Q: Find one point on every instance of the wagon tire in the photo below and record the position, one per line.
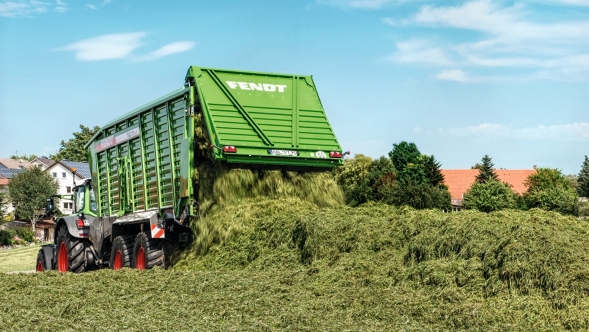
(122, 252)
(148, 252)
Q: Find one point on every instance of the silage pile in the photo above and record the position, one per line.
(476, 265)
(508, 269)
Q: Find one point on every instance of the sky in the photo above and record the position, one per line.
(460, 79)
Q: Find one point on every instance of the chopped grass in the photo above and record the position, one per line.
(290, 265)
(18, 259)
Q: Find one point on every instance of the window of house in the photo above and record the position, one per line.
(68, 189)
(54, 174)
(68, 205)
(63, 175)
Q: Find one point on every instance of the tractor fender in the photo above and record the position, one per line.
(48, 251)
(72, 227)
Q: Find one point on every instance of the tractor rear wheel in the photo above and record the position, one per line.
(71, 252)
(40, 266)
(148, 252)
(122, 252)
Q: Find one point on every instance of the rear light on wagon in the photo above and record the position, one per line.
(229, 149)
(80, 223)
(335, 154)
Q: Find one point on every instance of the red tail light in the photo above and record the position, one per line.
(229, 149)
(335, 154)
(80, 223)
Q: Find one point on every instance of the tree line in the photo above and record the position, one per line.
(410, 178)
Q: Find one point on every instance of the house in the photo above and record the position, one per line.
(8, 169)
(459, 180)
(43, 162)
(62, 172)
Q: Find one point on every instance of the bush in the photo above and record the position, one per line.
(584, 210)
(420, 196)
(25, 233)
(7, 236)
(16, 235)
(489, 196)
(548, 189)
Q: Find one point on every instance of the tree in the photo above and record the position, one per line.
(24, 156)
(420, 196)
(73, 149)
(432, 170)
(486, 171)
(3, 206)
(29, 191)
(363, 179)
(549, 189)
(489, 196)
(420, 182)
(583, 179)
(407, 161)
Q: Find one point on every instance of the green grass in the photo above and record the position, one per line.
(275, 265)
(18, 259)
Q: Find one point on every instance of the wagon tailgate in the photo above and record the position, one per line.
(274, 119)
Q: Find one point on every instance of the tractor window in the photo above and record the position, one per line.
(93, 206)
(79, 198)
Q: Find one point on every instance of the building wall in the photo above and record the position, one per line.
(65, 178)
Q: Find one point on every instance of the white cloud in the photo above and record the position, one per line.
(505, 37)
(453, 75)
(105, 47)
(584, 3)
(360, 4)
(91, 6)
(418, 51)
(120, 46)
(20, 8)
(172, 48)
(565, 132)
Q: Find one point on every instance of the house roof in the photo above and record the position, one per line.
(459, 180)
(48, 162)
(82, 168)
(10, 167)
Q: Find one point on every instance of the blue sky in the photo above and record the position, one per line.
(461, 79)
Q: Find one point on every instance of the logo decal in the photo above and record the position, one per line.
(256, 86)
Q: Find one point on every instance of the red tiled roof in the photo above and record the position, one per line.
(459, 180)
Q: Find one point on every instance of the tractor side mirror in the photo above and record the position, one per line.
(49, 207)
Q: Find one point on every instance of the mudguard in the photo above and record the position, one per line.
(48, 251)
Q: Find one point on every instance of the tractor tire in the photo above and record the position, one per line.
(122, 252)
(148, 252)
(71, 252)
(40, 266)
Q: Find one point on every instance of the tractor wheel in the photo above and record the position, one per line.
(122, 252)
(40, 266)
(148, 252)
(71, 252)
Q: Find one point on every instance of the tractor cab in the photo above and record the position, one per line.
(84, 199)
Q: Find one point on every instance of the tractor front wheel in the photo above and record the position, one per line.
(40, 266)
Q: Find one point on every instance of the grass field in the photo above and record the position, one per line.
(278, 265)
(18, 259)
